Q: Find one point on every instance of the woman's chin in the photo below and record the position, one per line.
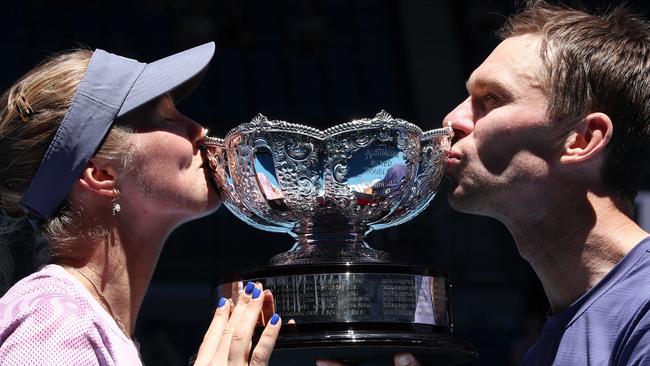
(213, 201)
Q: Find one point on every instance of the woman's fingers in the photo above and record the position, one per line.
(213, 334)
(228, 339)
(223, 350)
(262, 352)
(241, 338)
(268, 309)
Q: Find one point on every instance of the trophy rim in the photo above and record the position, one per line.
(213, 141)
(378, 121)
(426, 135)
(436, 132)
(272, 125)
(261, 123)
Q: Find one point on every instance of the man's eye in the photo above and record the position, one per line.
(488, 98)
(490, 101)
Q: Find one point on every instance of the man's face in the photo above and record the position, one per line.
(504, 142)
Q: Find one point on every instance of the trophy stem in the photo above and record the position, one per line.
(330, 243)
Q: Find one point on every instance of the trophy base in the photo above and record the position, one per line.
(363, 313)
(371, 344)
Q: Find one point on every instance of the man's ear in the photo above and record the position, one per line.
(590, 137)
(100, 177)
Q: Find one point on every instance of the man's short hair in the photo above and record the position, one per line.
(596, 63)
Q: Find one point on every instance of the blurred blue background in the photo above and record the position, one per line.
(316, 62)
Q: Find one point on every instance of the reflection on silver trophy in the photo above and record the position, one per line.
(328, 189)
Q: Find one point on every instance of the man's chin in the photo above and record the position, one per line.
(459, 200)
(454, 202)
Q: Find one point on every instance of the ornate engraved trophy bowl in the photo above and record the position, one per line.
(328, 189)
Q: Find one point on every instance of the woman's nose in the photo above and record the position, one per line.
(195, 131)
(461, 119)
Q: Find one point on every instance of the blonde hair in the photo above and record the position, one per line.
(30, 113)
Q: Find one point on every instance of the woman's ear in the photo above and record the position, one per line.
(590, 137)
(99, 177)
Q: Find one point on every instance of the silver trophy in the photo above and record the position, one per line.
(328, 190)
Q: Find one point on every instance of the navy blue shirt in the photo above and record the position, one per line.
(609, 325)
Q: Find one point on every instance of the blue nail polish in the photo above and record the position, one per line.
(256, 293)
(249, 288)
(274, 319)
(222, 302)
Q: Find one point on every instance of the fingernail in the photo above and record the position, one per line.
(222, 302)
(249, 288)
(256, 293)
(404, 359)
(274, 319)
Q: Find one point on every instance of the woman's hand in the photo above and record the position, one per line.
(228, 339)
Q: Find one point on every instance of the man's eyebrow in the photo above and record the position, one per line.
(491, 84)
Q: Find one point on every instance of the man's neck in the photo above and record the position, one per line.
(572, 247)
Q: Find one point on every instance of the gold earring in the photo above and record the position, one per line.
(116, 202)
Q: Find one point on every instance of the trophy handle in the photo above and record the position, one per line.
(214, 149)
(216, 155)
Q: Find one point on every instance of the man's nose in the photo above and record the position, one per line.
(461, 119)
